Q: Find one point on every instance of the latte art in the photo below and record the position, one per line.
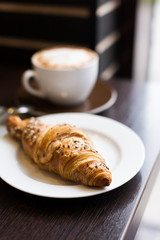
(64, 58)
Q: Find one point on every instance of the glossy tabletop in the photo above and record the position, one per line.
(112, 215)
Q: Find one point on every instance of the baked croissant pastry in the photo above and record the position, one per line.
(63, 149)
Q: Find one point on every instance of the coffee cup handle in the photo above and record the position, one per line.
(26, 76)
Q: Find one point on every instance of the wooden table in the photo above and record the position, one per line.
(112, 215)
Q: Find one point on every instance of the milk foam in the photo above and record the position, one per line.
(64, 58)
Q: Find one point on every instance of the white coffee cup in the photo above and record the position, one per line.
(65, 75)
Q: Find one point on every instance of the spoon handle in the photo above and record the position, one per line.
(3, 117)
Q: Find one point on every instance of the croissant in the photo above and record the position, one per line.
(63, 149)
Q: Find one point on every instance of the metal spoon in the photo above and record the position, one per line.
(22, 110)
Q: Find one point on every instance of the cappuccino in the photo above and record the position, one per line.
(64, 75)
(64, 58)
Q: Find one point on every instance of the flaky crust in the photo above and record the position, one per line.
(63, 149)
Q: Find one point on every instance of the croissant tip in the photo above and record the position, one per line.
(105, 182)
(13, 125)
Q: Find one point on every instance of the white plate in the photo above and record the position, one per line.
(119, 145)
